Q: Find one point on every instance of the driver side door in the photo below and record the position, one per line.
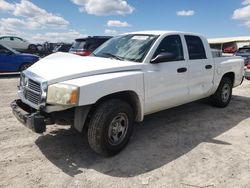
(166, 82)
(7, 60)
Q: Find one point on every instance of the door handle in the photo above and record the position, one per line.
(181, 70)
(208, 66)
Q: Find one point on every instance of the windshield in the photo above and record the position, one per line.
(11, 49)
(132, 47)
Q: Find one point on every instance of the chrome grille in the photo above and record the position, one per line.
(32, 97)
(32, 92)
(34, 86)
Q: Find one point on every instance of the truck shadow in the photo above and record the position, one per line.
(160, 139)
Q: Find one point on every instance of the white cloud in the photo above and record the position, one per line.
(15, 23)
(5, 6)
(27, 19)
(111, 32)
(243, 14)
(104, 7)
(117, 23)
(69, 36)
(33, 14)
(185, 13)
(8, 31)
(246, 2)
(247, 24)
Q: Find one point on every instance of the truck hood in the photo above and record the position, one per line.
(60, 67)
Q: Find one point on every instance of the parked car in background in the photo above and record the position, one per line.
(230, 50)
(85, 46)
(14, 61)
(247, 71)
(63, 47)
(244, 52)
(18, 43)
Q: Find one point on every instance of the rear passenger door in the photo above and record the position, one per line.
(200, 68)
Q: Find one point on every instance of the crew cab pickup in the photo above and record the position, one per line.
(126, 78)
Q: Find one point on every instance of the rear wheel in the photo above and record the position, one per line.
(223, 95)
(110, 127)
(33, 48)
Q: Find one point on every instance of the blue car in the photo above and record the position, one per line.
(13, 61)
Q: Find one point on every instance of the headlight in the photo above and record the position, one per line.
(62, 94)
(23, 80)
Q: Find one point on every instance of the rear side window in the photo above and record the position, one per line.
(195, 47)
(171, 44)
(79, 45)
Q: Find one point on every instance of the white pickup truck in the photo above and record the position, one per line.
(128, 77)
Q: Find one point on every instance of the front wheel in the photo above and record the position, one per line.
(110, 127)
(223, 95)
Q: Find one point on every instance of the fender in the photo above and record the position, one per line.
(229, 65)
(109, 83)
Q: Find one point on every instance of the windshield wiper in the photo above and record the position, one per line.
(113, 56)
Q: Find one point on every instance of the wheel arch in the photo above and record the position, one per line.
(230, 75)
(83, 113)
(130, 97)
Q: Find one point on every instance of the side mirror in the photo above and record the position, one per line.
(163, 57)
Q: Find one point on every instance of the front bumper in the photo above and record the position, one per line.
(30, 118)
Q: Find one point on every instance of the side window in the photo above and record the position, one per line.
(195, 47)
(6, 39)
(171, 44)
(17, 39)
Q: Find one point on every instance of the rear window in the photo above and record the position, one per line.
(78, 45)
(196, 48)
(92, 44)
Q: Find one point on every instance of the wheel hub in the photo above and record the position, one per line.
(118, 129)
(225, 93)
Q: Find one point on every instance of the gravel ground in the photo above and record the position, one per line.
(194, 145)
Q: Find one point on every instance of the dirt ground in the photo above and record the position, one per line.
(194, 145)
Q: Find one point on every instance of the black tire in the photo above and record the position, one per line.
(222, 98)
(24, 67)
(101, 131)
(32, 48)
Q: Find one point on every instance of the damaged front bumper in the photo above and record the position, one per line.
(29, 117)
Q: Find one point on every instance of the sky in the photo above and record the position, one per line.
(65, 20)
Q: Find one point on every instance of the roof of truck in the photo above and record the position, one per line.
(161, 32)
